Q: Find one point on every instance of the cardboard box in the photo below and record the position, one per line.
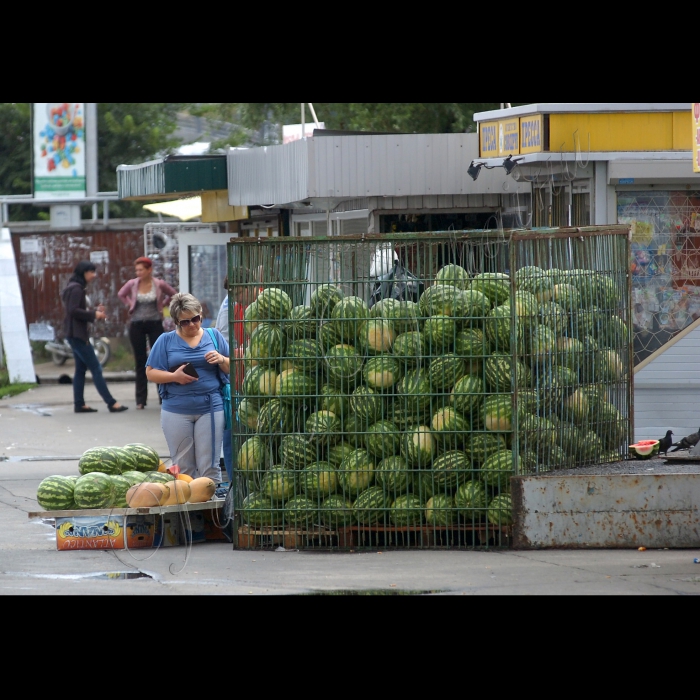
(168, 530)
(196, 534)
(104, 532)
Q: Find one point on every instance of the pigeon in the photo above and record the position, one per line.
(687, 443)
(666, 443)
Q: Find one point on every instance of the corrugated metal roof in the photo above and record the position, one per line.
(173, 175)
(335, 168)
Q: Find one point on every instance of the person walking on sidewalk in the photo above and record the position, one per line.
(145, 297)
(75, 328)
(190, 372)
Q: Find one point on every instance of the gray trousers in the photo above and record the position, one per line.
(190, 443)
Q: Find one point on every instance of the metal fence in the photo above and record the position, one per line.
(389, 387)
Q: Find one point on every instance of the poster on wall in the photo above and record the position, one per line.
(696, 136)
(59, 150)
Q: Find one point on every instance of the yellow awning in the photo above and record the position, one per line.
(183, 209)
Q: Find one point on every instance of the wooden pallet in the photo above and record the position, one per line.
(268, 537)
(350, 538)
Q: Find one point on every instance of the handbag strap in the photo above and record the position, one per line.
(212, 335)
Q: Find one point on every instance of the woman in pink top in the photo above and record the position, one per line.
(146, 297)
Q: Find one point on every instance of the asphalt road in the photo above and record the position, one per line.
(40, 435)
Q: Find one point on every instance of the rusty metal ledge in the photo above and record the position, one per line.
(620, 511)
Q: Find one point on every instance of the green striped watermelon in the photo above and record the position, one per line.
(94, 491)
(258, 510)
(147, 458)
(252, 455)
(135, 477)
(414, 391)
(104, 460)
(248, 413)
(472, 500)
(383, 439)
(387, 309)
(121, 485)
(338, 453)
(393, 473)
(468, 394)
(319, 480)
(336, 512)
(330, 335)
(274, 419)
(483, 445)
(440, 333)
(440, 511)
(300, 511)
(356, 473)
(500, 512)
(267, 345)
(260, 383)
(127, 460)
(348, 315)
(297, 452)
(450, 469)
(382, 373)
(472, 344)
(450, 427)
(445, 372)
(305, 355)
(274, 305)
(334, 400)
(453, 275)
(498, 328)
(376, 336)
(56, 493)
(498, 413)
(279, 484)
(302, 324)
(323, 428)
(366, 404)
(409, 348)
(344, 363)
(159, 478)
(295, 387)
(553, 316)
(502, 372)
(495, 286)
(251, 318)
(407, 511)
(324, 300)
(371, 506)
(498, 469)
(418, 447)
(406, 318)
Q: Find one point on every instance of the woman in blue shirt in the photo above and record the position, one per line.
(192, 415)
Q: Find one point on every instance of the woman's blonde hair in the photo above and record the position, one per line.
(182, 303)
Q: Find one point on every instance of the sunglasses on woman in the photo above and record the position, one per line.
(186, 322)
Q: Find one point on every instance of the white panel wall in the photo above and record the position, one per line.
(13, 323)
(667, 392)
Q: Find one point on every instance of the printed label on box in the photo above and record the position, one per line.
(100, 532)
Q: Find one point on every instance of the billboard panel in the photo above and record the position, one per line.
(59, 150)
(696, 137)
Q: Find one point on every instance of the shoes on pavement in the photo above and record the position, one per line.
(121, 409)
(85, 409)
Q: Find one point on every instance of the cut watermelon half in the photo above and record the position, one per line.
(646, 449)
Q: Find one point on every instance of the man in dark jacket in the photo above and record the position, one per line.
(75, 328)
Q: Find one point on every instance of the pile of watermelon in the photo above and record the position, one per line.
(413, 413)
(106, 474)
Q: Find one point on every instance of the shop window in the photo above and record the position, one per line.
(665, 264)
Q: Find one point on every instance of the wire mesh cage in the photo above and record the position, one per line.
(389, 387)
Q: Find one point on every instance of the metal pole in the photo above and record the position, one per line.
(313, 114)
(105, 212)
(303, 120)
(5, 213)
(91, 148)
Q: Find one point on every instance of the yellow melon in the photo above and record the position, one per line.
(202, 490)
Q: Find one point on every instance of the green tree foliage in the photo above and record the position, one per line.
(128, 133)
(263, 120)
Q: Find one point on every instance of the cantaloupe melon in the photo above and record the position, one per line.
(146, 495)
(202, 490)
(178, 493)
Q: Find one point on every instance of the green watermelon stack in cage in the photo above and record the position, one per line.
(420, 412)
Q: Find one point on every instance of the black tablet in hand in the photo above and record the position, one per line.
(190, 371)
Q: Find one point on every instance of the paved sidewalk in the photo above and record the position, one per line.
(40, 426)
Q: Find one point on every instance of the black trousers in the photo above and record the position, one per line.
(139, 332)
